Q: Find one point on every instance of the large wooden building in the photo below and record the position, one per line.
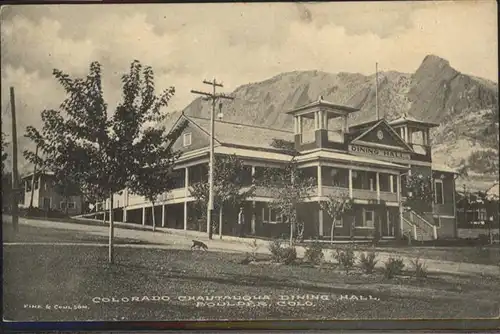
(366, 161)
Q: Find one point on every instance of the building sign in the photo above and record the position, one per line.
(377, 152)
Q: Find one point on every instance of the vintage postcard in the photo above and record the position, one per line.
(250, 161)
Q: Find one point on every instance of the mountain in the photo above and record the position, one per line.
(436, 92)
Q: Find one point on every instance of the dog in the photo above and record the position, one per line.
(199, 245)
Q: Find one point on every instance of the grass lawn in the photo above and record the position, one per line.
(58, 282)
(37, 234)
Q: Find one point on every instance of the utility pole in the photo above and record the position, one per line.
(214, 97)
(33, 179)
(15, 188)
(376, 90)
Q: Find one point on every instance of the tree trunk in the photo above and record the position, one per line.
(33, 182)
(293, 223)
(220, 222)
(153, 213)
(210, 223)
(111, 228)
(66, 208)
(332, 232)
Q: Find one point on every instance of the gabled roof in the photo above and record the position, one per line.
(391, 131)
(242, 134)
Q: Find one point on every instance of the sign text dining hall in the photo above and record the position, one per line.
(378, 152)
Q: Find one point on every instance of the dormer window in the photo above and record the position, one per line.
(186, 139)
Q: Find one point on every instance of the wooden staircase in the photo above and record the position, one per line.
(417, 227)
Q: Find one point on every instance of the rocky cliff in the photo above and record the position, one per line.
(436, 92)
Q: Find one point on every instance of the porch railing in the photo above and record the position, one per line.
(426, 230)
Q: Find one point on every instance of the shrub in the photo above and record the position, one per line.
(420, 268)
(314, 253)
(346, 258)
(368, 262)
(276, 250)
(393, 267)
(288, 255)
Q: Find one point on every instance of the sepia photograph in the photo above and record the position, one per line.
(250, 161)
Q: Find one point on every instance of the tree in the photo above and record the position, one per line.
(336, 206)
(4, 152)
(156, 176)
(419, 192)
(231, 188)
(102, 152)
(290, 186)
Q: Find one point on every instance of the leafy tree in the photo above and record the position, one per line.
(103, 153)
(4, 151)
(336, 206)
(156, 176)
(290, 186)
(230, 189)
(419, 192)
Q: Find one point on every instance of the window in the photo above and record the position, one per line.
(385, 182)
(335, 177)
(368, 218)
(437, 222)
(187, 139)
(271, 216)
(37, 183)
(71, 205)
(438, 192)
(339, 222)
(62, 205)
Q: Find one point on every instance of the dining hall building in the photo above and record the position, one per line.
(368, 162)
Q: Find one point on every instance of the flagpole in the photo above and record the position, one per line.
(376, 90)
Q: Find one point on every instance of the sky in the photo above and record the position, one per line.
(236, 43)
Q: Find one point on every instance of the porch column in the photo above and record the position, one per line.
(350, 183)
(253, 174)
(320, 182)
(163, 215)
(325, 120)
(316, 121)
(377, 177)
(320, 216)
(186, 195)
(124, 214)
(299, 123)
(398, 185)
(253, 218)
(296, 125)
(144, 215)
(346, 127)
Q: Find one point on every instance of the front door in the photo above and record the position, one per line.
(46, 203)
(387, 225)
